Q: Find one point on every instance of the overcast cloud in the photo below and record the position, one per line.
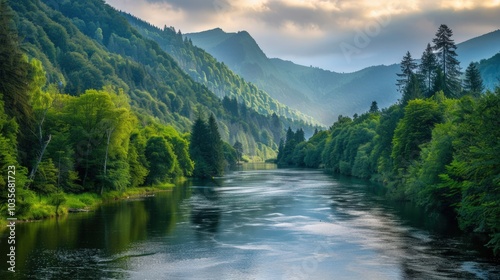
(338, 35)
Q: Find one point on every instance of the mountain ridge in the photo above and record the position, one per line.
(325, 94)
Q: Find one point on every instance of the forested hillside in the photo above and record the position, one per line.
(438, 146)
(205, 69)
(89, 45)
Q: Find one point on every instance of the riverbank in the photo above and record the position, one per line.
(44, 207)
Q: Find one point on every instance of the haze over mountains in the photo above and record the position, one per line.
(321, 93)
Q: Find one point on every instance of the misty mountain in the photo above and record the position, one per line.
(321, 93)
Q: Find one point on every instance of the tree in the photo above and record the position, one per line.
(215, 147)
(41, 103)
(475, 168)
(14, 83)
(473, 83)
(100, 127)
(198, 148)
(408, 65)
(445, 46)
(414, 129)
(374, 107)
(239, 150)
(427, 70)
(412, 90)
(206, 148)
(161, 159)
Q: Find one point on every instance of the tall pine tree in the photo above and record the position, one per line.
(473, 83)
(206, 148)
(408, 65)
(216, 158)
(427, 70)
(198, 148)
(445, 46)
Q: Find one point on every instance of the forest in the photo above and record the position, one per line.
(90, 111)
(438, 146)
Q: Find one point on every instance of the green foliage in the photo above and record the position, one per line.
(445, 47)
(473, 83)
(414, 130)
(442, 153)
(161, 158)
(206, 148)
(475, 168)
(56, 200)
(427, 70)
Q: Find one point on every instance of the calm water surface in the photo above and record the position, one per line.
(251, 224)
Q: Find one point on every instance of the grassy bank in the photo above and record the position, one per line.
(33, 207)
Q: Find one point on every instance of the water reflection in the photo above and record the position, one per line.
(83, 244)
(251, 224)
(205, 209)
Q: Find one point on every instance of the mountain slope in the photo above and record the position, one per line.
(490, 71)
(320, 93)
(481, 47)
(85, 45)
(205, 69)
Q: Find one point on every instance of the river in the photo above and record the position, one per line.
(255, 223)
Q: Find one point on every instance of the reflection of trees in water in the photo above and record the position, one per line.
(205, 212)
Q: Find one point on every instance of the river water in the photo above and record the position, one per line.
(256, 223)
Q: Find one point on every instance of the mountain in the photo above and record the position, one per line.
(490, 71)
(89, 45)
(205, 69)
(481, 47)
(321, 93)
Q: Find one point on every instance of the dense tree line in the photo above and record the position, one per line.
(438, 149)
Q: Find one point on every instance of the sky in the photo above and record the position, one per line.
(337, 35)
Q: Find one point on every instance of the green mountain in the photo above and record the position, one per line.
(88, 45)
(320, 93)
(490, 71)
(205, 69)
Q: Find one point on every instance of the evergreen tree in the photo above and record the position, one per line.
(427, 70)
(445, 46)
(216, 158)
(300, 136)
(408, 65)
(281, 148)
(14, 81)
(473, 83)
(198, 148)
(412, 90)
(206, 148)
(374, 107)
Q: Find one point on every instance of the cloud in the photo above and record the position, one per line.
(334, 34)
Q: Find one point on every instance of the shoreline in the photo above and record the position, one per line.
(90, 202)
